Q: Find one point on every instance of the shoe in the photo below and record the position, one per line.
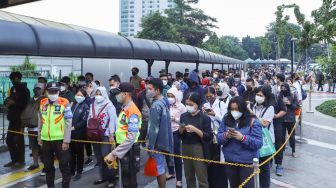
(88, 161)
(279, 170)
(9, 164)
(77, 177)
(33, 167)
(43, 173)
(179, 186)
(111, 185)
(170, 177)
(18, 165)
(98, 182)
(294, 155)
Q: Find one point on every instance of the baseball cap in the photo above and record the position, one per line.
(53, 86)
(39, 85)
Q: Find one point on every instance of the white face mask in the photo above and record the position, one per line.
(171, 100)
(236, 115)
(62, 88)
(164, 82)
(119, 98)
(259, 99)
(191, 109)
(215, 75)
(79, 99)
(99, 98)
(53, 98)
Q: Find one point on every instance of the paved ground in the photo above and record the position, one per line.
(314, 167)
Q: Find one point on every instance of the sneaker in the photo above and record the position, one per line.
(43, 173)
(9, 164)
(294, 155)
(279, 170)
(88, 161)
(33, 167)
(77, 177)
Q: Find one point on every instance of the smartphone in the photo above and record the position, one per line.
(208, 110)
(231, 129)
(182, 124)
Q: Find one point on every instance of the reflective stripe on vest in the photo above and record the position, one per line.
(125, 119)
(52, 121)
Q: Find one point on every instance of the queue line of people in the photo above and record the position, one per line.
(219, 116)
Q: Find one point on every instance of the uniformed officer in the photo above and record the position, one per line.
(55, 133)
(127, 133)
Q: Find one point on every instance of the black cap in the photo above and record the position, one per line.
(53, 86)
(126, 87)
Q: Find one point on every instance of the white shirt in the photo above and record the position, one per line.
(220, 109)
(297, 86)
(267, 116)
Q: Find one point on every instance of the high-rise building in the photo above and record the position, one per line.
(132, 11)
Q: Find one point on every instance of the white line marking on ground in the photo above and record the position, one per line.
(282, 184)
(319, 144)
(319, 126)
(60, 179)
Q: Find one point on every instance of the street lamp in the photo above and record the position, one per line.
(293, 53)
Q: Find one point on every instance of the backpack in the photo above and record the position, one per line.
(95, 131)
(303, 92)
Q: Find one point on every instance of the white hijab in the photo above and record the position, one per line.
(99, 106)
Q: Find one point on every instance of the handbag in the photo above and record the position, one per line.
(268, 148)
(95, 131)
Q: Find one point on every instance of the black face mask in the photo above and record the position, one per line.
(249, 88)
(219, 93)
(134, 73)
(285, 93)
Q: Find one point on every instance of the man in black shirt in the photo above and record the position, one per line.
(16, 103)
(249, 93)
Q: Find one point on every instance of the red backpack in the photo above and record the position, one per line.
(94, 130)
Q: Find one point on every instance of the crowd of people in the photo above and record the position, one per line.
(218, 115)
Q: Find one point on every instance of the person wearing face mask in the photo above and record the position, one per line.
(237, 84)
(176, 109)
(54, 134)
(127, 134)
(66, 91)
(263, 109)
(103, 109)
(223, 93)
(29, 119)
(16, 102)
(177, 85)
(159, 130)
(205, 81)
(135, 79)
(180, 78)
(215, 77)
(216, 110)
(114, 82)
(240, 135)
(194, 86)
(289, 119)
(166, 87)
(194, 130)
(80, 112)
(279, 80)
(249, 94)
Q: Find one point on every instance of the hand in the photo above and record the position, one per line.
(190, 128)
(111, 138)
(227, 135)
(40, 142)
(109, 158)
(237, 135)
(9, 103)
(65, 146)
(72, 128)
(172, 118)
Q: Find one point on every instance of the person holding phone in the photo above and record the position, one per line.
(197, 130)
(176, 109)
(216, 110)
(240, 135)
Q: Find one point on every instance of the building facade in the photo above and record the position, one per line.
(132, 11)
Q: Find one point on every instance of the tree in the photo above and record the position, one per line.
(230, 46)
(26, 69)
(191, 23)
(212, 44)
(252, 47)
(156, 27)
(266, 47)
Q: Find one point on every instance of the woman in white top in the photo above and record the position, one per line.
(216, 110)
(263, 109)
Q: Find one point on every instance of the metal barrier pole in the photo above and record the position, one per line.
(310, 98)
(301, 140)
(119, 169)
(256, 177)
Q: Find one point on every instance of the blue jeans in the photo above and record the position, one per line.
(265, 173)
(177, 160)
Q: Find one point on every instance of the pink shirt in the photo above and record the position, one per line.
(176, 111)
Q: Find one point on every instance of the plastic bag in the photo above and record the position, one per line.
(151, 168)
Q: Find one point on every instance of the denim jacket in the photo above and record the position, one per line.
(159, 127)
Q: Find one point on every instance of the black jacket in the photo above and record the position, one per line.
(21, 97)
(79, 119)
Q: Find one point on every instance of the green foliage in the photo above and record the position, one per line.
(328, 108)
(26, 69)
(157, 27)
(252, 47)
(266, 47)
(328, 65)
(73, 78)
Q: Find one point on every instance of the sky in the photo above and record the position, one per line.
(235, 17)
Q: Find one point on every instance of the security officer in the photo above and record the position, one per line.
(55, 120)
(127, 133)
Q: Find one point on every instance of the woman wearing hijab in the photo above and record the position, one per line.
(103, 109)
(176, 109)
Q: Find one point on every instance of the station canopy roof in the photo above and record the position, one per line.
(23, 35)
